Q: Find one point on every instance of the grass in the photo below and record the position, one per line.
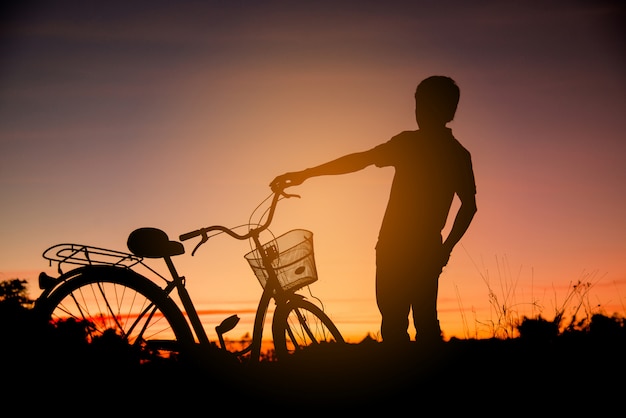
(507, 313)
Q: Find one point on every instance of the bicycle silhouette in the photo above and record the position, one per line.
(108, 292)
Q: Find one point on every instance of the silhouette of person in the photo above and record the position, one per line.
(431, 166)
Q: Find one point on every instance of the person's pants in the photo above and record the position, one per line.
(407, 279)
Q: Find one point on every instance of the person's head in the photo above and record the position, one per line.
(436, 100)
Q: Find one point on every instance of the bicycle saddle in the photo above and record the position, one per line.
(153, 243)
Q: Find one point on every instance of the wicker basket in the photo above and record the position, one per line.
(292, 259)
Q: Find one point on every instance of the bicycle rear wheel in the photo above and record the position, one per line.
(110, 300)
(299, 324)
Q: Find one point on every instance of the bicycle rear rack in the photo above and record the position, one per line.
(87, 255)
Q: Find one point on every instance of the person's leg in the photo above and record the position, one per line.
(392, 298)
(424, 306)
(424, 290)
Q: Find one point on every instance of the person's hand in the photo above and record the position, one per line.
(286, 180)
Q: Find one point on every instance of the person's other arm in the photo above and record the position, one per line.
(461, 223)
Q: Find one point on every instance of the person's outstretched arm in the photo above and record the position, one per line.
(342, 165)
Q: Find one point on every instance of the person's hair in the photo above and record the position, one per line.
(440, 95)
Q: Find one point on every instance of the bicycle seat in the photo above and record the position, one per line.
(153, 243)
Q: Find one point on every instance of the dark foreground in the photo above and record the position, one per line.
(491, 377)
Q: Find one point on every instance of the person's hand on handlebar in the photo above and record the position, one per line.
(286, 180)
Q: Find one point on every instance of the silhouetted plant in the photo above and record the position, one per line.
(577, 302)
(598, 327)
(114, 350)
(505, 308)
(538, 329)
(15, 292)
(16, 319)
(68, 335)
(605, 327)
(507, 311)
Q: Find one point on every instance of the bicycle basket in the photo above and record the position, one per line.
(292, 258)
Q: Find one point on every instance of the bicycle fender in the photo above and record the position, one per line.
(295, 296)
(50, 284)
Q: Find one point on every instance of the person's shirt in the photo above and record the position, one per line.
(429, 170)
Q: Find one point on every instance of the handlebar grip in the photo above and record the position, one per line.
(189, 235)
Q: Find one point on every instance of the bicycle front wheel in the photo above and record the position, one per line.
(118, 303)
(299, 324)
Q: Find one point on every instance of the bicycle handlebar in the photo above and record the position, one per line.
(203, 232)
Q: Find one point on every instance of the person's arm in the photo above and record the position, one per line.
(461, 223)
(342, 165)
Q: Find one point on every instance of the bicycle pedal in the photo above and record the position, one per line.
(227, 324)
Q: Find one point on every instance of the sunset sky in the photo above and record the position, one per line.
(116, 115)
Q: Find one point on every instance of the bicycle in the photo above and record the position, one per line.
(108, 293)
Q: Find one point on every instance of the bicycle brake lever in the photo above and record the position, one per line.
(288, 195)
(204, 239)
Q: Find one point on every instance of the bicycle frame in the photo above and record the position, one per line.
(271, 291)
